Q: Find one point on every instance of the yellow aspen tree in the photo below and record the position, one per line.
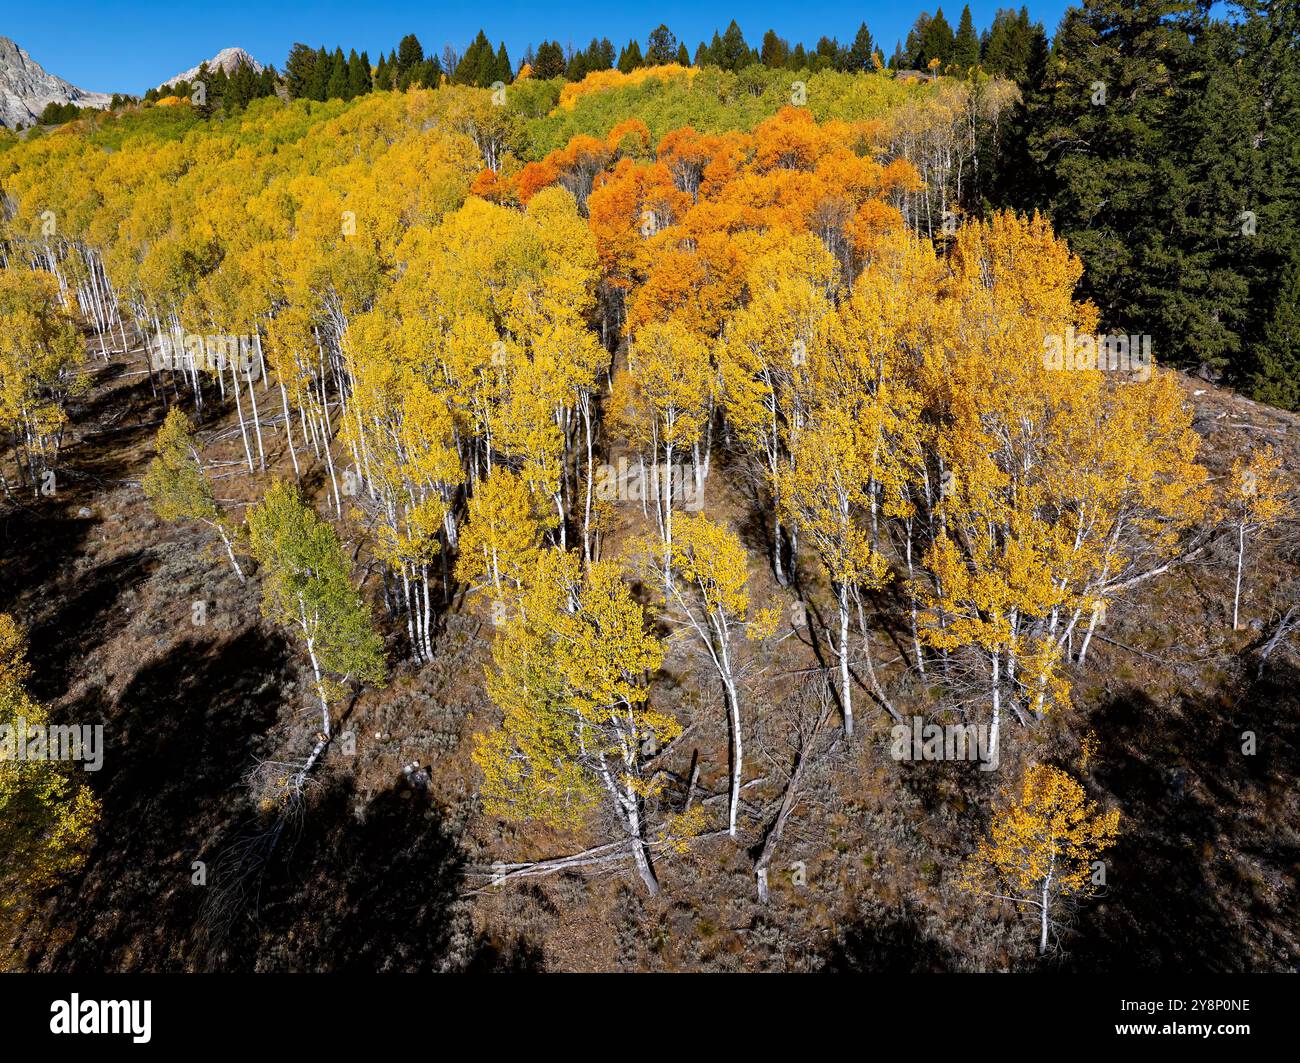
(825, 491)
(663, 406)
(39, 349)
(1254, 500)
(1042, 846)
(768, 355)
(710, 591)
(501, 536)
(46, 818)
(571, 677)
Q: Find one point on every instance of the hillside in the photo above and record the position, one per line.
(533, 526)
(106, 592)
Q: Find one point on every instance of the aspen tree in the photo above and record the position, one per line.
(1254, 500)
(663, 405)
(709, 589)
(46, 818)
(825, 491)
(39, 348)
(1042, 846)
(501, 536)
(570, 674)
(306, 588)
(176, 486)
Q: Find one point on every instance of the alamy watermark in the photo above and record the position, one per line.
(1115, 353)
(21, 741)
(639, 482)
(919, 740)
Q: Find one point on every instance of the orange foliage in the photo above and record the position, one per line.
(677, 232)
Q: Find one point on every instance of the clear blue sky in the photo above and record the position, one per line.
(131, 45)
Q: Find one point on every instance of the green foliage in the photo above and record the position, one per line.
(306, 587)
(174, 482)
(715, 101)
(1170, 165)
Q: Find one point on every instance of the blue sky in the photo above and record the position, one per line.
(130, 45)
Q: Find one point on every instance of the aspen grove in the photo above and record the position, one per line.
(436, 319)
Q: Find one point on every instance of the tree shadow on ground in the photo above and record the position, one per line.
(81, 622)
(896, 946)
(177, 743)
(1203, 877)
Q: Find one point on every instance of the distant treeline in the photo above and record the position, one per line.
(1007, 48)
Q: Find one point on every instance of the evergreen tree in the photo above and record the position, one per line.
(630, 58)
(859, 57)
(734, 52)
(1100, 144)
(1275, 372)
(661, 48)
(549, 61)
(320, 79)
(775, 53)
(409, 53)
(358, 75)
(966, 45)
(300, 72)
(337, 86)
(936, 42)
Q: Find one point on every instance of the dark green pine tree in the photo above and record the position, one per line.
(358, 75)
(860, 53)
(478, 63)
(320, 80)
(683, 56)
(410, 53)
(733, 52)
(1099, 142)
(578, 66)
(1275, 366)
(966, 45)
(661, 48)
(799, 57)
(504, 71)
(630, 58)
(337, 86)
(549, 61)
(936, 42)
(775, 52)
(241, 88)
(299, 72)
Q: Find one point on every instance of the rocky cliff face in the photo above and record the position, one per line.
(26, 89)
(228, 59)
